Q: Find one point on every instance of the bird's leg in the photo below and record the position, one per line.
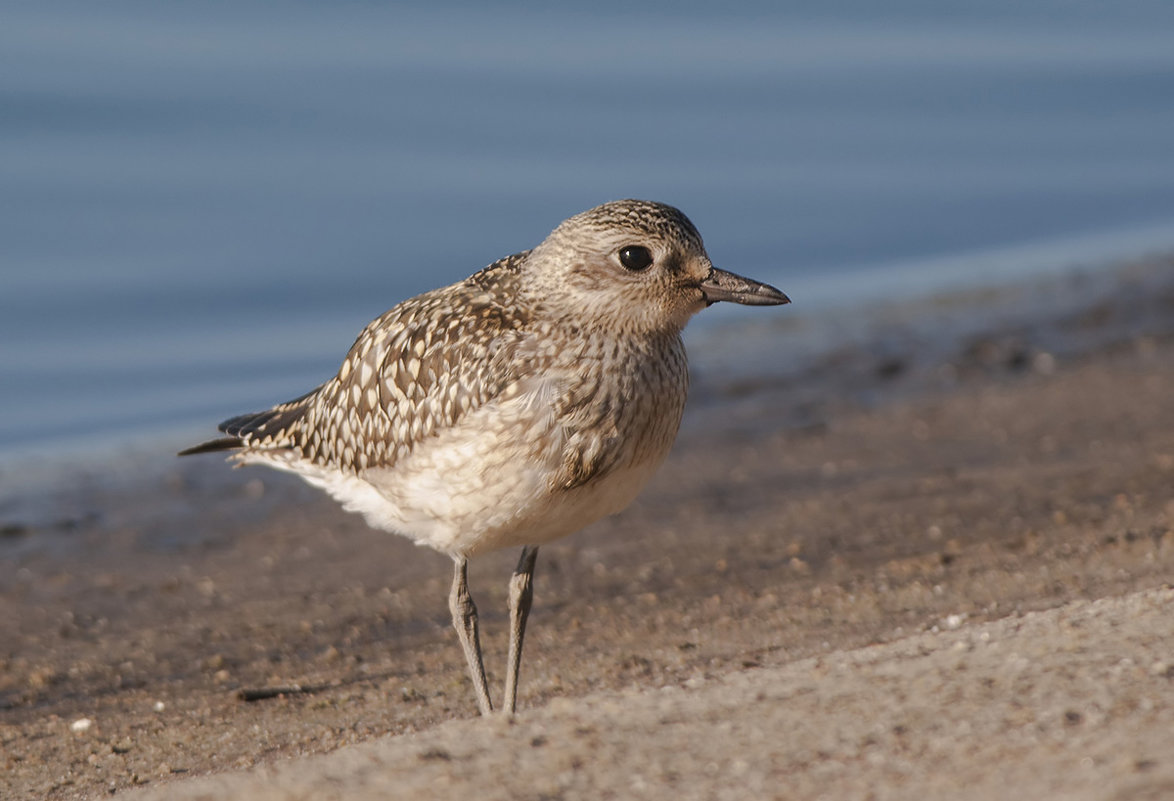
(521, 595)
(464, 620)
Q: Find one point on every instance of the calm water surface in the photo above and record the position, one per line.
(203, 203)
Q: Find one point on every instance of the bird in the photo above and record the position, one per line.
(512, 408)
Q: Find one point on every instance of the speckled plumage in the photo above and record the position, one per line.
(518, 405)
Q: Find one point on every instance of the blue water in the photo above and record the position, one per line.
(202, 203)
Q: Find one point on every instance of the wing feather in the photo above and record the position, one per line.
(416, 369)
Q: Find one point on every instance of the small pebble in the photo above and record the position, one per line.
(81, 725)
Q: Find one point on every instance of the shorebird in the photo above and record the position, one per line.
(512, 408)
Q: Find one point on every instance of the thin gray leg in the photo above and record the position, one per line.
(464, 620)
(521, 595)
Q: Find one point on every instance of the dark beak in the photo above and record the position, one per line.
(720, 285)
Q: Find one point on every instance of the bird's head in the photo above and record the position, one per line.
(637, 266)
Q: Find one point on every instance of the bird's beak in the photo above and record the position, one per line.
(720, 285)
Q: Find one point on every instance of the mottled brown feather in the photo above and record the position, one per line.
(416, 369)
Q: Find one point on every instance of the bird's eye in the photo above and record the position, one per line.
(635, 257)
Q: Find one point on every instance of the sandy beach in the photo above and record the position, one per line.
(927, 558)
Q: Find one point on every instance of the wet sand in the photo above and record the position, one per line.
(868, 572)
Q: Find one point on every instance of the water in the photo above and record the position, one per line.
(203, 203)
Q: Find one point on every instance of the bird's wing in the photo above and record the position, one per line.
(414, 370)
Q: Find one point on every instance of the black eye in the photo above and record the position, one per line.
(635, 257)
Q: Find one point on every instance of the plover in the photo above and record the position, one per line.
(514, 407)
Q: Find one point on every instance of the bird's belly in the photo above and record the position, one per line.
(561, 512)
(488, 483)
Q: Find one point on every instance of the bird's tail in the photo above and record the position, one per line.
(222, 444)
(271, 429)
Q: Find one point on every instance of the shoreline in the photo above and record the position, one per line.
(897, 481)
(1067, 312)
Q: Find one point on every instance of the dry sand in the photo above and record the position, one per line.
(1073, 703)
(938, 570)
